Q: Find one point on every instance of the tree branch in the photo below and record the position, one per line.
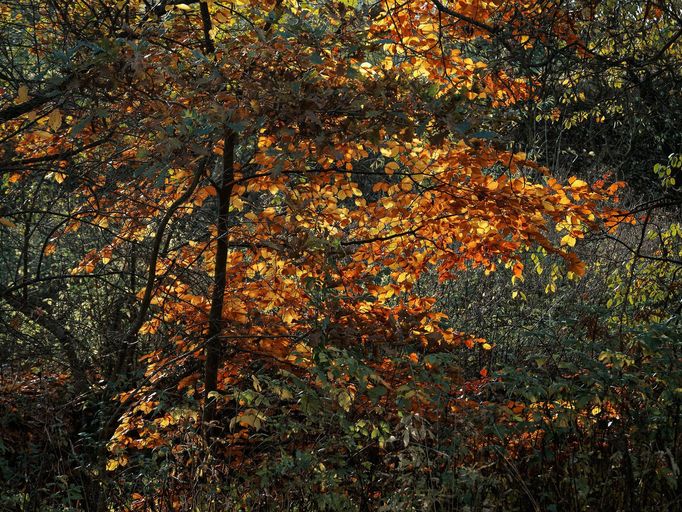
(34, 309)
(463, 17)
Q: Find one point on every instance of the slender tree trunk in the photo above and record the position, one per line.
(130, 337)
(215, 316)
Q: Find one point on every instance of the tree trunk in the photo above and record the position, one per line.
(215, 316)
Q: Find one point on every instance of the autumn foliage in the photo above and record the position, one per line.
(272, 196)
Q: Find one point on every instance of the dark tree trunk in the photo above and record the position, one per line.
(215, 316)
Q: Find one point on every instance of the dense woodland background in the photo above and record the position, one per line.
(340, 255)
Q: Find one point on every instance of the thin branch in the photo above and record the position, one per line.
(158, 238)
(463, 17)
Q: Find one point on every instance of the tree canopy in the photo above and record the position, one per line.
(231, 231)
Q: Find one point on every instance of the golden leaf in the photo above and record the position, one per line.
(22, 95)
(568, 240)
(54, 121)
(252, 418)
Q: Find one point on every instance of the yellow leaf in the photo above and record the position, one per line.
(345, 400)
(252, 418)
(283, 393)
(487, 346)
(289, 315)
(22, 95)
(237, 203)
(112, 464)
(256, 383)
(568, 240)
(55, 119)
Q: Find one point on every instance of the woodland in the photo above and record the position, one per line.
(358, 255)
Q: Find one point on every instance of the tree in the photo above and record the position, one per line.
(262, 186)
